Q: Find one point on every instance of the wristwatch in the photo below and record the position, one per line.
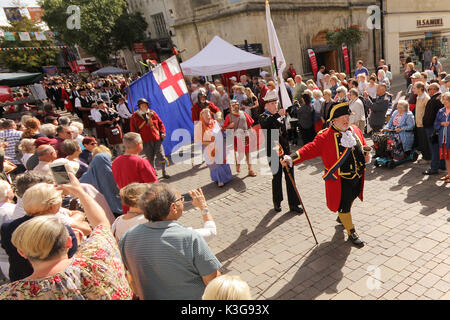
(205, 211)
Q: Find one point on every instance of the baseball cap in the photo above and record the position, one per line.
(233, 78)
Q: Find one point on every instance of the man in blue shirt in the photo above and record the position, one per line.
(360, 69)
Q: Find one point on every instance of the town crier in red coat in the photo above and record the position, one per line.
(344, 154)
(202, 104)
(148, 124)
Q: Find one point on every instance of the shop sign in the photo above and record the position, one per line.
(424, 23)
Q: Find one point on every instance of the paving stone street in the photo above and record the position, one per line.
(404, 221)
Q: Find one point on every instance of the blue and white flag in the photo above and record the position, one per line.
(164, 87)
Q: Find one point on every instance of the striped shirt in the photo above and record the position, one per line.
(13, 137)
(167, 261)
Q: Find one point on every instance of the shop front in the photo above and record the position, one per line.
(409, 36)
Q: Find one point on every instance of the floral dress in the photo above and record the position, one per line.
(96, 273)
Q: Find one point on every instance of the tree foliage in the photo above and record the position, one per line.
(351, 36)
(105, 26)
(26, 60)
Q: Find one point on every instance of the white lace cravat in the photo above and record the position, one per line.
(348, 140)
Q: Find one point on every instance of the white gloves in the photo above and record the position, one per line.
(288, 159)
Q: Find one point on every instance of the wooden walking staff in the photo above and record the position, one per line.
(281, 153)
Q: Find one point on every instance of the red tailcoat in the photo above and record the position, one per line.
(326, 145)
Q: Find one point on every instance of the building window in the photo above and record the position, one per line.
(160, 25)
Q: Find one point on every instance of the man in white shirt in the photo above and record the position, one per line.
(124, 115)
(47, 154)
(320, 76)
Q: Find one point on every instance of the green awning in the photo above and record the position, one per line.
(20, 79)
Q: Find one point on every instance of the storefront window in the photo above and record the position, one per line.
(411, 49)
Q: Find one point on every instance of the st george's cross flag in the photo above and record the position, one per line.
(164, 87)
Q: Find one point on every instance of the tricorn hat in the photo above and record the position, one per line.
(339, 109)
(271, 96)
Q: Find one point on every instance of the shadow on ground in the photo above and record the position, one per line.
(247, 240)
(328, 257)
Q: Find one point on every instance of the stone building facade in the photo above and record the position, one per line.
(300, 25)
(408, 22)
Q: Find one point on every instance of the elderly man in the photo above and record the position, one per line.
(447, 82)
(431, 109)
(378, 107)
(410, 95)
(299, 88)
(276, 144)
(388, 73)
(214, 95)
(224, 100)
(165, 259)
(47, 155)
(147, 123)
(344, 169)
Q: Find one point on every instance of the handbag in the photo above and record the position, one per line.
(434, 138)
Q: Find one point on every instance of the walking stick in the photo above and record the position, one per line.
(281, 153)
(301, 202)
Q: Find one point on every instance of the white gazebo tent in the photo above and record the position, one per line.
(220, 57)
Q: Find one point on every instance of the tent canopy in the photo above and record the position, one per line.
(20, 79)
(109, 70)
(219, 57)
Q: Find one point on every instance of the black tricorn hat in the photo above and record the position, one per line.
(339, 109)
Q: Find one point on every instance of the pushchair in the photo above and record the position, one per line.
(389, 150)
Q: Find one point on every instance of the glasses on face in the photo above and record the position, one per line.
(179, 199)
(93, 143)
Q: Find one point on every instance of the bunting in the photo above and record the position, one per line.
(33, 48)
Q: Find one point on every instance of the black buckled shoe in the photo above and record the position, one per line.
(277, 207)
(298, 210)
(165, 175)
(428, 172)
(354, 238)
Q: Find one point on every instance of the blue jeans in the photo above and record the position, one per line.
(436, 163)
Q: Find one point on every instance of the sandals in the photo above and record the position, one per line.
(252, 173)
(445, 178)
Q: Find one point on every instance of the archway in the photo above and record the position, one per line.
(325, 54)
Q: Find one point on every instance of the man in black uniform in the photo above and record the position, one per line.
(272, 120)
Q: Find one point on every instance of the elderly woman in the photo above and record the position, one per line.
(6, 212)
(442, 124)
(208, 133)
(383, 79)
(95, 273)
(402, 122)
(341, 94)
(40, 199)
(319, 101)
(326, 106)
(358, 116)
(73, 151)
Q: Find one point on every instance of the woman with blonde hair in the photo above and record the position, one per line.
(227, 287)
(27, 148)
(251, 103)
(95, 273)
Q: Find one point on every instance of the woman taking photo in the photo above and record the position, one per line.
(442, 124)
(96, 272)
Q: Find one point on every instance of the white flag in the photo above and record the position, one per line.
(277, 54)
(170, 79)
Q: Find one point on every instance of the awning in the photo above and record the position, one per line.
(20, 79)
(220, 57)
